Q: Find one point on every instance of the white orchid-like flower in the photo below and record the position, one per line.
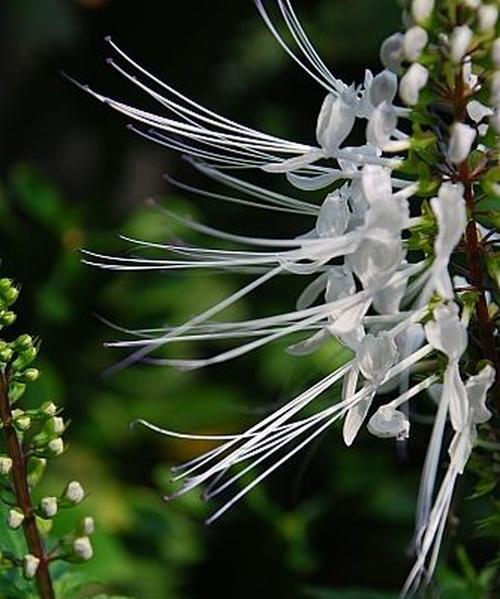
(365, 284)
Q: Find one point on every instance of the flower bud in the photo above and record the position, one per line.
(88, 526)
(495, 52)
(9, 295)
(82, 548)
(5, 465)
(30, 566)
(460, 40)
(421, 10)
(461, 140)
(14, 518)
(49, 408)
(48, 507)
(412, 82)
(56, 425)
(488, 16)
(384, 87)
(74, 492)
(21, 420)
(7, 318)
(30, 375)
(472, 4)
(6, 354)
(56, 446)
(416, 39)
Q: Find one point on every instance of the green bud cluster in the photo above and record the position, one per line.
(39, 433)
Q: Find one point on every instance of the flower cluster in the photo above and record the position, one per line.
(399, 260)
(31, 437)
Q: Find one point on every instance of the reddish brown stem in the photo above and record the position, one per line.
(23, 496)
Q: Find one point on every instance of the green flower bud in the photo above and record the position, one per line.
(21, 420)
(6, 354)
(7, 318)
(49, 408)
(24, 358)
(5, 285)
(16, 391)
(23, 342)
(29, 375)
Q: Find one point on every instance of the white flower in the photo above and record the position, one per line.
(56, 446)
(412, 82)
(74, 492)
(382, 127)
(88, 526)
(478, 111)
(82, 548)
(30, 566)
(461, 140)
(335, 121)
(460, 40)
(416, 39)
(383, 87)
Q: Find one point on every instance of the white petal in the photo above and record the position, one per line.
(392, 52)
(383, 87)
(416, 39)
(477, 388)
(388, 422)
(460, 39)
(335, 121)
(421, 10)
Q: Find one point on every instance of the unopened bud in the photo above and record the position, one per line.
(14, 518)
(74, 492)
(392, 52)
(7, 318)
(30, 566)
(421, 10)
(6, 354)
(21, 420)
(82, 548)
(416, 39)
(49, 408)
(461, 140)
(412, 82)
(5, 465)
(460, 40)
(48, 507)
(30, 375)
(23, 342)
(56, 446)
(487, 15)
(88, 526)
(56, 425)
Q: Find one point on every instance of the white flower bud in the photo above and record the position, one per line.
(495, 89)
(488, 17)
(460, 40)
(74, 492)
(495, 121)
(388, 422)
(392, 52)
(495, 52)
(461, 140)
(336, 120)
(30, 566)
(14, 518)
(56, 446)
(412, 82)
(416, 38)
(422, 10)
(82, 548)
(384, 87)
(48, 507)
(21, 420)
(5, 465)
(472, 4)
(57, 425)
(88, 526)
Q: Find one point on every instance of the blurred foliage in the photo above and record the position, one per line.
(334, 523)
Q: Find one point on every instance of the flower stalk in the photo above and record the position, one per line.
(22, 493)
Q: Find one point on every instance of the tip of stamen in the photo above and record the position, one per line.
(109, 60)
(107, 39)
(150, 202)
